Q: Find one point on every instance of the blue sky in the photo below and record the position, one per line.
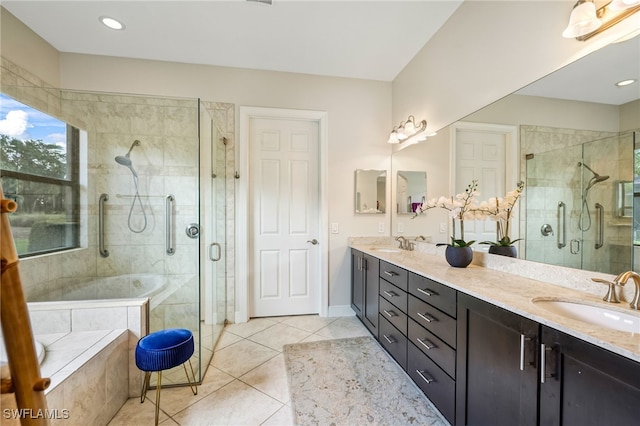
(23, 122)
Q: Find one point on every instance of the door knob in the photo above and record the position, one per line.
(314, 241)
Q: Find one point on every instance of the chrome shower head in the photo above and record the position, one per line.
(124, 160)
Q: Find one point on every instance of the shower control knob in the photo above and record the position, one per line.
(193, 230)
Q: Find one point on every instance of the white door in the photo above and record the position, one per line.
(284, 275)
(483, 154)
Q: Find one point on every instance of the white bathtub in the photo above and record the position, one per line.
(118, 287)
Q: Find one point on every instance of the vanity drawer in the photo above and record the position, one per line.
(433, 347)
(394, 274)
(393, 294)
(434, 382)
(437, 322)
(434, 293)
(393, 341)
(394, 315)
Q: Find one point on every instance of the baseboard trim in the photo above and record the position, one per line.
(341, 311)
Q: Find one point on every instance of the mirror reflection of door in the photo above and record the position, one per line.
(370, 191)
(486, 153)
(411, 191)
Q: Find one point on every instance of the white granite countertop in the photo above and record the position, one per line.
(515, 293)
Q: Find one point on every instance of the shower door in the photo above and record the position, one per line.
(553, 180)
(579, 205)
(213, 147)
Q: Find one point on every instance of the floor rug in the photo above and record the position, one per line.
(352, 382)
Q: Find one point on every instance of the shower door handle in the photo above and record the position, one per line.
(169, 222)
(219, 256)
(562, 230)
(103, 251)
(600, 214)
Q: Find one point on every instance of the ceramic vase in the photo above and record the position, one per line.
(509, 251)
(458, 257)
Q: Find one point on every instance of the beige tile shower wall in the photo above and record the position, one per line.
(558, 178)
(166, 163)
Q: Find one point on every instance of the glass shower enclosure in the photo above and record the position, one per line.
(580, 205)
(152, 211)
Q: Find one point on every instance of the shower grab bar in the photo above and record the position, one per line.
(562, 225)
(103, 251)
(219, 256)
(600, 214)
(139, 196)
(169, 201)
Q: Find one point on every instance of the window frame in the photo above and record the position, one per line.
(73, 182)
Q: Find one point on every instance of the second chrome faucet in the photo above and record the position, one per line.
(620, 281)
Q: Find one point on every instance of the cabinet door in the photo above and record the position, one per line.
(586, 385)
(357, 283)
(371, 293)
(496, 374)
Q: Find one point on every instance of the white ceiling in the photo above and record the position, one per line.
(593, 78)
(369, 39)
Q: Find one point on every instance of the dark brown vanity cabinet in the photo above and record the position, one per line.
(431, 354)
(586, 385)
(393, 311)
(497, 371)
(364, 288)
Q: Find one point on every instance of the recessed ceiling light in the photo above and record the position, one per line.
(112, 23)
(626, 82)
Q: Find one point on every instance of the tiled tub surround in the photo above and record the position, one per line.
(514, 292)
(89, 357)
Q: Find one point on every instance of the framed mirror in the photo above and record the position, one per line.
(370, 191)
(411, 191)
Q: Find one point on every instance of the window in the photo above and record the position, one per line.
(39, 170)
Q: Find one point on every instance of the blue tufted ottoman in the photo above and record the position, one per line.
(163, 350)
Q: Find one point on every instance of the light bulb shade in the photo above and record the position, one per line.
(393, 138)
(623, 4)
(583, 20)
(409, 127)
(402, 135)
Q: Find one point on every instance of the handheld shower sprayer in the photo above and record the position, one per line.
(584, 211)
(125, 160)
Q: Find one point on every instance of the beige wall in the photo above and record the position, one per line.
(486, 50)
(28, 50)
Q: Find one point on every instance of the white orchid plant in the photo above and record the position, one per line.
(500, 210)
(464, 206)
(461, 206)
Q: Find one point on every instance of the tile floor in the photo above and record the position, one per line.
(246, 382)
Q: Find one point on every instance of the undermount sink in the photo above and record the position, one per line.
(386, 249)
(592, 314)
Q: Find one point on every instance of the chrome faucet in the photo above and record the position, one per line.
(622, 280)
(404, 244)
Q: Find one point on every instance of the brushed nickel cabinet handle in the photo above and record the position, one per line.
(389, 339)
(426, 343)
(426, 317)
(427, 379)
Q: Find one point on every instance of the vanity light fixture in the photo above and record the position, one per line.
(407, 130)
(586, 21)
(112, 23)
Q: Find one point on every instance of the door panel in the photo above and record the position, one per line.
(284, 194)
